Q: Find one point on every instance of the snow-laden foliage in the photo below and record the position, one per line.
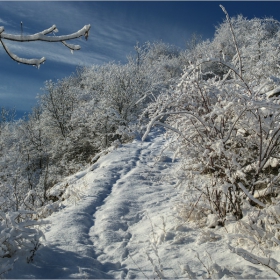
(77, 118)
(19, 237)
(225, 125)
(258, 49)
(223, 122)
(223, 130)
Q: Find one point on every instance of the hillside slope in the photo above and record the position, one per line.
(119, 222)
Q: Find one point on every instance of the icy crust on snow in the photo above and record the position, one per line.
(119, 222)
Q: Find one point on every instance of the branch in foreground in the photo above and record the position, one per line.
(32, 61)
(41, 36)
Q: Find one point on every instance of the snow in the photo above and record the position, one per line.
(119, 221)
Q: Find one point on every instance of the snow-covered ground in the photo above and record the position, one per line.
(120, 222)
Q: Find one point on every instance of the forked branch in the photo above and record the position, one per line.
(41, 36)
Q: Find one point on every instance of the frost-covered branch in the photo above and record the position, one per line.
(234, 124)
(224, 63)
(71, 46)
(272, 93)
(268, 262)
(234, 39)
(241, 186)
(153, 121)
(41, 36)
(14, 57)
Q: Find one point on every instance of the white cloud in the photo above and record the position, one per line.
(2, 21)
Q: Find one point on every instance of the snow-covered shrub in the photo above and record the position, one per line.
(87, 112)
(257, 40)
(256, 237)
(19, 237)
(226, 128)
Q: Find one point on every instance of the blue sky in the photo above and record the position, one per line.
(115, 29)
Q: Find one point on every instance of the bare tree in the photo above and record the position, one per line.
(41, 36)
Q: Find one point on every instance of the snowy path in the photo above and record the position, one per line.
(94, 237)
(125, 221)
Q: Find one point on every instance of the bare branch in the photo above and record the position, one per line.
(33, 61)
(41, 36)
(241, 186)
(71, 46)
(234, 39)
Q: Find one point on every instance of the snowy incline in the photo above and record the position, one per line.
(94, 238)
(119, 222)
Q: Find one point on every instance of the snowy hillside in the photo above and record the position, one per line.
(113, 206)
(120, 222)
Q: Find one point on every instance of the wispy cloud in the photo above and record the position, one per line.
(2, 21)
